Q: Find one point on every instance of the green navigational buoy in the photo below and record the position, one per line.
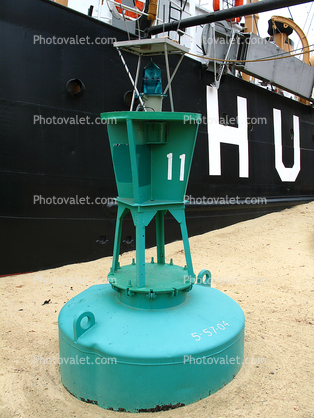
(148, 341)
(156, 337)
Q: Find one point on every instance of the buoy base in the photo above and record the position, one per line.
(144, 360)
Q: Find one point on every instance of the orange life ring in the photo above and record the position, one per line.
(216, 7)
(128, 14)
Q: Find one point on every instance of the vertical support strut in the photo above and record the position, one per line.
(168, 77)
(173, 74)
(136, 80)
(160, 237)
(140, 251)
(131, 79)
(187, 251)
(179, 216)
(117, 238)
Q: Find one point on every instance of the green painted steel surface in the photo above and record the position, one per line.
(152, 155)
(148, 341)
(168, 280)
(140, 359)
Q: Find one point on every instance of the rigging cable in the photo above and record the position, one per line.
(310, 23)
(290, 13)
(308, 17)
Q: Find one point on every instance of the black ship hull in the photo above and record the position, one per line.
(46, 151)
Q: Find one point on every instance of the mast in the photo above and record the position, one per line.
(247, 9)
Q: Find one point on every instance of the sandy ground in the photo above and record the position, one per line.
(266, 265)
